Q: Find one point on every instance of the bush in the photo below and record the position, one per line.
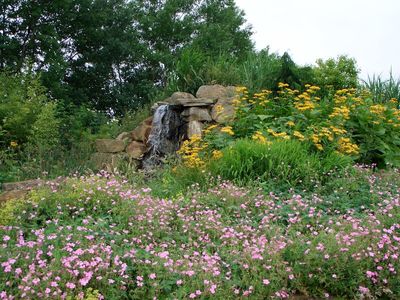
(288, 161)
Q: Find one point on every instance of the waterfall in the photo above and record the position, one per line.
(164, 137)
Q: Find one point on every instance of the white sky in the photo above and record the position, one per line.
(367, 30)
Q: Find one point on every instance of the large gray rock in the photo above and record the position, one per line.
(215, 91)
(223, 111)
(136, 150)
(110, 146)
(197, 114)
(194, 128)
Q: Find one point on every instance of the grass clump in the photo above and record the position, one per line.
(289, 162)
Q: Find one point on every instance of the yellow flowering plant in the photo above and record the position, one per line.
(347, 121)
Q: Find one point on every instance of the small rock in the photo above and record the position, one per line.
(110, 146)
(136, 150)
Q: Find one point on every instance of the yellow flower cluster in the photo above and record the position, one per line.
(227, 130)
(282, 135)
(377, 109)
(217, 154)
(209, 128)
(290, 123)
(259, 137)
(190, 150)
(304, 101)
(347, 147)
(341, 111)
(298, 135)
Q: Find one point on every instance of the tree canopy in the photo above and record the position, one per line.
(110, 54)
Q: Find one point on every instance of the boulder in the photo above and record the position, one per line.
(10, 195)
(136, 150)
(22, 185)
(126, 137)
(148, 121)
(181, 95)
(186, 102)
(110, 146)
(215, 91)
(141, 133)
(107, 161)
(197, 114)
(223, 111)
(194, 128)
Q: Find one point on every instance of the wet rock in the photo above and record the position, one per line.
(110, 145)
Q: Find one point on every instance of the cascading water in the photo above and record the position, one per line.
(165, 135)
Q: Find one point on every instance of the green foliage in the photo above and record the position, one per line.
(335, 74)
(383, 91)
(21, 101)
(112, 55)
(287, 162)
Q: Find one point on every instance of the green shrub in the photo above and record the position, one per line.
(289, 162)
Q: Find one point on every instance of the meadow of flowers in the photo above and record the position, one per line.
(96, 237)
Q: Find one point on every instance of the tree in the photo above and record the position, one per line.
(336, 74)
(111, 54)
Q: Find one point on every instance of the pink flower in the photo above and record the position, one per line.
(266, 282)
(291, 276)
(152, 276)
(179, 282)
(6, 238)
(363, 290)
(213, 288)
(192, 296)
(70, 285)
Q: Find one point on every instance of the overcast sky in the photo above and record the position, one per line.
(368, 30)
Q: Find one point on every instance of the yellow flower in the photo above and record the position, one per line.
(377, 109)
(209, 128)
(259, 137)
(319, 147)
(290, 123)
(298, 135)
(13, 144)
(347, 147)
(227, 130)
(216, 154)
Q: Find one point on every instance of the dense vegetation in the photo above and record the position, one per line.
(298, 196)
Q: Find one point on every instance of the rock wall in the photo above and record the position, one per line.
(212, 104)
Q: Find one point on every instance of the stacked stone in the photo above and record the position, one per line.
(212, 104)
